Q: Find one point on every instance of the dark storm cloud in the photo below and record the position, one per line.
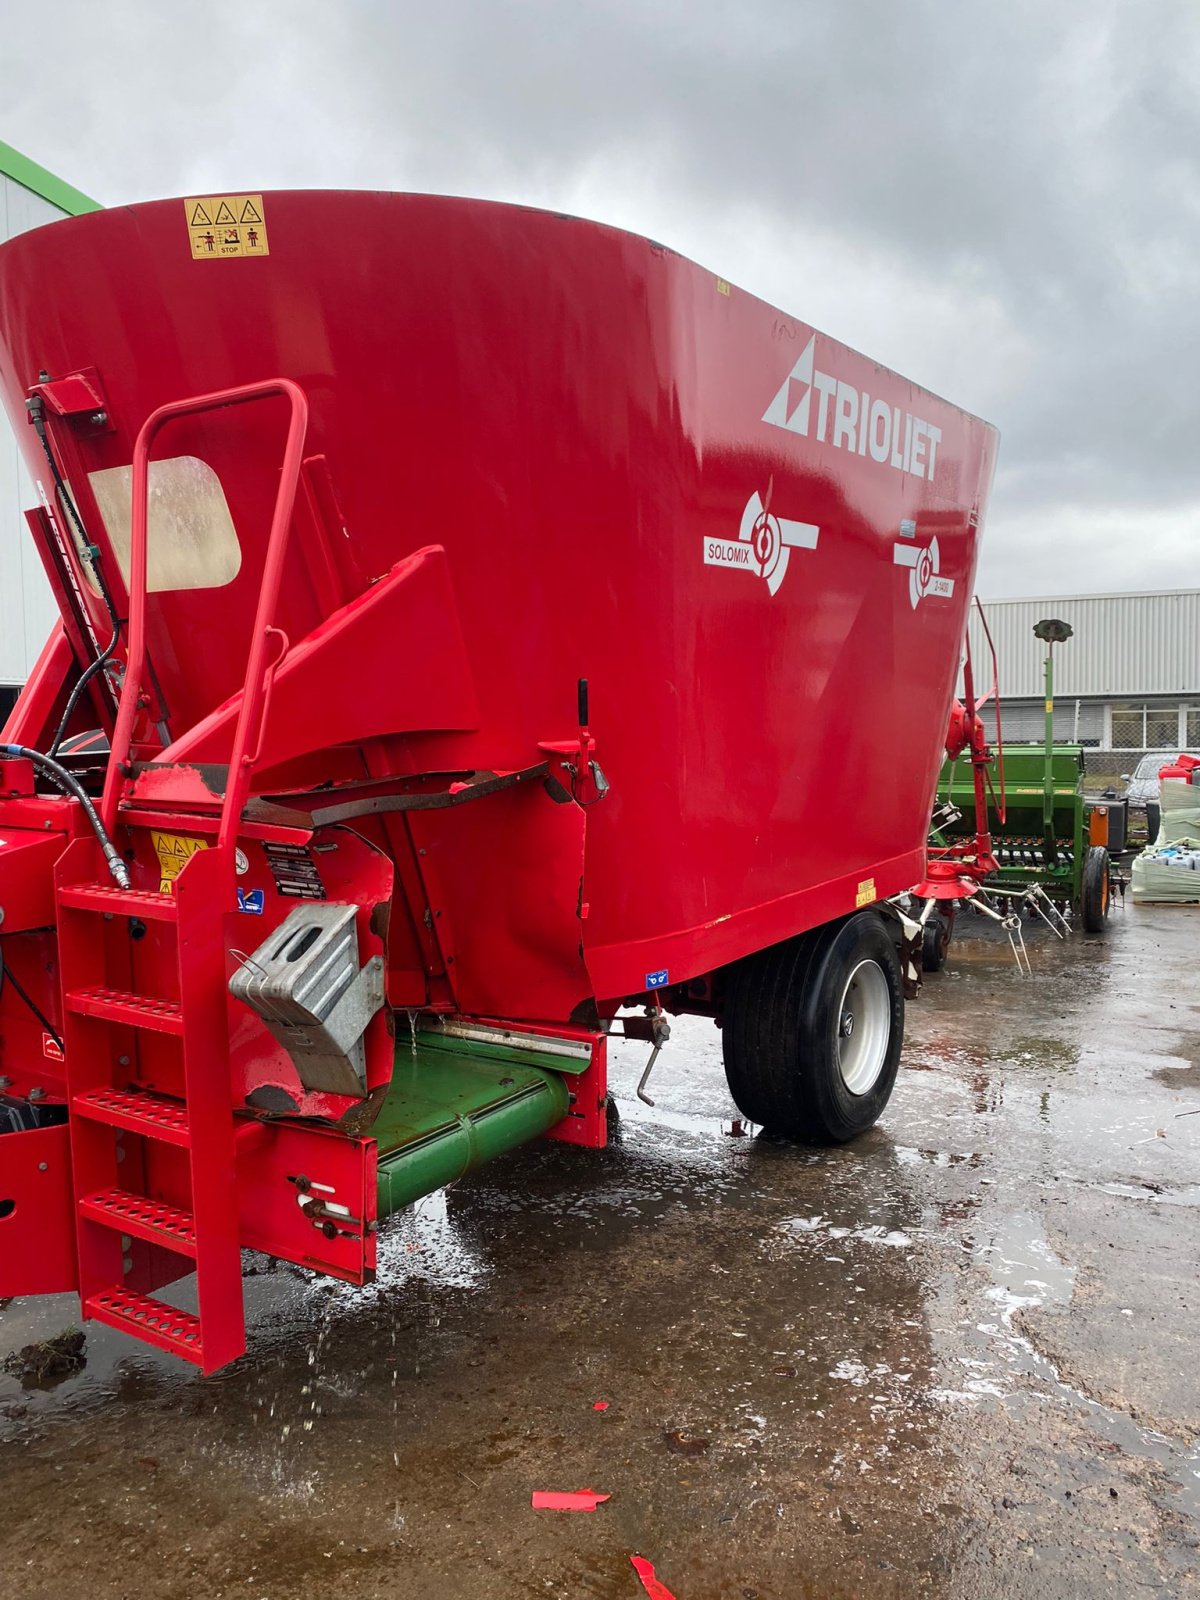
(1001, 200)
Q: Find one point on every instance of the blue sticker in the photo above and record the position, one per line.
(252, 900)
(655, 980)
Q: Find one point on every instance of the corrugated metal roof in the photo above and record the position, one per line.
(1124, 645)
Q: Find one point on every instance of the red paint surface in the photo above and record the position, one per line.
(653, 1587)
(524, 450)
(37, 1232)
(574, 415)
(582, 1500)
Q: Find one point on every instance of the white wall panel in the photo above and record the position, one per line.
(1125, 645)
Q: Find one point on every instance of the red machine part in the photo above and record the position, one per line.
(477, 527)
(954, 872)
(37, 1229)
(724, 670)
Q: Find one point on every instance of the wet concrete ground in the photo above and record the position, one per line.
(958, 1358)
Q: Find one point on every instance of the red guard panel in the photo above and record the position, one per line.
(323, 696)
(37, 1225)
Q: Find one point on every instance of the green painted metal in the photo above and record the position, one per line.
(1048, 835)
(493, 1050)
(1028, 774)
(40, 182)
(451, 1106)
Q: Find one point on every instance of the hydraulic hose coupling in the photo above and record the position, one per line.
(116, 866)
(71, 786)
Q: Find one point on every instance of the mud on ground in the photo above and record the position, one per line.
(958, 1358)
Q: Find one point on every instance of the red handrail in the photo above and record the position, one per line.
(247, 738)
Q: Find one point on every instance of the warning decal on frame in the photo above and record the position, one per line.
(174, 851)
(225, 225)
(866, 892)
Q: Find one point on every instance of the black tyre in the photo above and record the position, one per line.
(813, 1029)
(1153, 818)
(935, 942)
(1095, 895)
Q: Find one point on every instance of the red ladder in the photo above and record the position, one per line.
(107, 1092)
(107, 1103)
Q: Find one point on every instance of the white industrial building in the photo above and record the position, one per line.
(29, 197)
(1126, 683)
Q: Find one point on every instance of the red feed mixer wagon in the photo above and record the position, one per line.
(475, 623)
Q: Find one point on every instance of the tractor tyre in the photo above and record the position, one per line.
(1095, 895)
(935, 943)
(812, 1031)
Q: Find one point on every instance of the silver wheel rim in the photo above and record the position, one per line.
(864, 1027)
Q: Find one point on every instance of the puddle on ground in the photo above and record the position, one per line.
(845, 1327)
(1153, 1192)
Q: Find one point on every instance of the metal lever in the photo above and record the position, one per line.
(660, 1032)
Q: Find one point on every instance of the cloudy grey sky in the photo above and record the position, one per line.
(1000, 199)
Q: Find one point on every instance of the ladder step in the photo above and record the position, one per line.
(142, 1218)
(119, 902)
(149, 1319)
(136, 1010)
(137, 1111)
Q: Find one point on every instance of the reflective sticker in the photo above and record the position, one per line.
(221, 226)
(174, 851)
(866, 892)
(656, 980)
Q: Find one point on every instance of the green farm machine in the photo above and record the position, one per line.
(1050, 858)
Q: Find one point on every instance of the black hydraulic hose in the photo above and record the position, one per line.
(88, 552)
(71, 785)
(6, 975)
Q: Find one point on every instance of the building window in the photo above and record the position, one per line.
(1170, 727)
(1128, 729)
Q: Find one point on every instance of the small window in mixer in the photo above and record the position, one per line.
(191, 541)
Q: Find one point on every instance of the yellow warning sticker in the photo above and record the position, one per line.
(866, 892)
(174, 851)
(722, 286)
(225, 225)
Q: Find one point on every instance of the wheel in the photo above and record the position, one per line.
(935, 943)
(1094, 897)
(1153, 819)
(813, 1028)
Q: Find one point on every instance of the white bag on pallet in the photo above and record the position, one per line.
(1169, 868)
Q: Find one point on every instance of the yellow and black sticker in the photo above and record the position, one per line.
(174, 851)
(221, 226)
(866, 892)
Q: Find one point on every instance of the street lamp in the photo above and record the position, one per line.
(1052, 631)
